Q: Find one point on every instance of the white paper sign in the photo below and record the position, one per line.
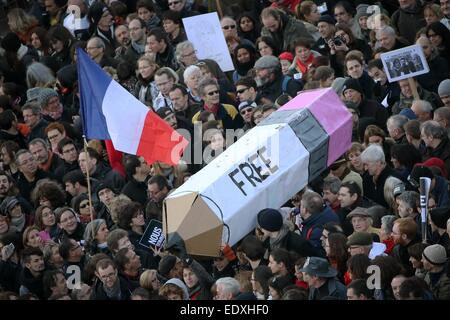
(205, 32)
(404, 63)
(233, 180)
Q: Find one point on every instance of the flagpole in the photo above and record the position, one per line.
(88, 178)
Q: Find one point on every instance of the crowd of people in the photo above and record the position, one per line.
(58, 241)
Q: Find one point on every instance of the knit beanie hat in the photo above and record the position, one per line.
(92, 228)
(338, 85)
(361, 11)
(435, 254)
(45, 95)
(439, 216)
(96, 11)
(444, 88)
(270, 219)
(67, 76)
(351, 83)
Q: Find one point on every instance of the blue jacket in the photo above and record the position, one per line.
(315, 223)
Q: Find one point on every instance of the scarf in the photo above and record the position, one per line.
(275, 242)
(19, 222)
(140, 48)
(213, 109)
(303, 67)
(46, 166)
(22, 51)
(114, 292)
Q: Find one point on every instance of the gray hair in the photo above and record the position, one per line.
(423, 105)
(388, 30)
(39, 140)
(33, 106)
(206, 82)
(190, 71)
(387, 223)
(229, 285)
(443, 112)
(434, 129)
(38, 75)
(410, 198)
(313, 202)
(99, 42)
(389, 186)
(332, 183)
(373, 153)
(21, 152)
(181, 47)
(169, 72)
(398, 121)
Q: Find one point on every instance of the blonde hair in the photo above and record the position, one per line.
(19, 21)
(145, 280)
(26, 233)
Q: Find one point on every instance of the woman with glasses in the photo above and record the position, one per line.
(150, 280)
(69, 225)
(81, 206)
(45, 221)
(226, 114)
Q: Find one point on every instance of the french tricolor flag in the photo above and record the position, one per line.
(109, 112)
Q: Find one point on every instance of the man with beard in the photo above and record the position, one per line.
(271, 81)
(46, 159)
(123, 39)
(404, 233)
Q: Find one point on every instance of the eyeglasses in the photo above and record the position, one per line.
(229, 27)
(53, 137)
(247, 110)
(69, 150)
(173, 3)
(189, 54)
(84, 205)
(241, 91)
(27, 161)
(108, 276)
(211, 93)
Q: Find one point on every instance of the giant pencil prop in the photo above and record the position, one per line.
(263, 169)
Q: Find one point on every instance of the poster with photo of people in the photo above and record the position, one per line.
(404, 63)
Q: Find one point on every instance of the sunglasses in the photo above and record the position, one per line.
(241, 91)
(84, 205)
(213, 93)
(248, 110)
(229, 27)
